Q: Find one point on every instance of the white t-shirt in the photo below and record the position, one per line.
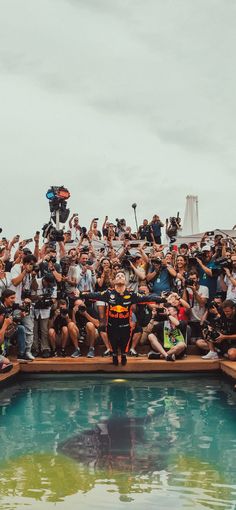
(197, 311)
(231, 289)
(26, 282)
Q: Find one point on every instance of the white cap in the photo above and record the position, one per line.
(207, 247)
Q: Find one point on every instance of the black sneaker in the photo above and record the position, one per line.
(153, 355)
(22, 358)
(107, 353)
(115, 360)
(63, 353)
(123, 359)
(170, 357)
(46, 354)
(133, 353)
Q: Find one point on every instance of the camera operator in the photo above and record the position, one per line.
(173, 225)
(145, 232)
(21, 279)
(61, 327)
(196, 295)
(11, 329)
(221, 334)
(87, 323)
(228, 279)
(160, 276)
(43, 294)
(49, 264)
(168, 336)
(68, 286)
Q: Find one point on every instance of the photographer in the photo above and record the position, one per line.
(168, 336)
(43, 294)
(87, 324)
(220, 337)
(85, 274)
(156, 225)
(160, 276)
(145, 232)
(50, 265)
(61, 327)
(93, 233)
(208, 270)
(144, 315)
(173, 225)
(134, 271)
(21, 279)
(196, 295)
(228, 279)
(11, 329)
(75, 227)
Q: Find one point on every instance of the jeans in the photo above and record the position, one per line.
(20, 338)
(28, 323)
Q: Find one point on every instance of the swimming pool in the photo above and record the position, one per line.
(101, 442)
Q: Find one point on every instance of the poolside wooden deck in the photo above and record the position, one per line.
(83, 365)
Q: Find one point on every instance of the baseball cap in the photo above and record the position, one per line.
(207, 247)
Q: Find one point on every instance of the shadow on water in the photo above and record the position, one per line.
(128, 437)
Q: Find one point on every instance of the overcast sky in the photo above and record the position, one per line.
(121, 101)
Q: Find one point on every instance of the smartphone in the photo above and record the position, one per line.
(96, 219)
(210, 233)
(37, 232)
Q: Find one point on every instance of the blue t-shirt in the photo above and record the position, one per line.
(156, 228)
(209, 281)
(162, 282)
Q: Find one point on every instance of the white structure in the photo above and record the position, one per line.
(191, 220)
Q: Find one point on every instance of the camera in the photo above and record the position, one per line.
(189, 282)
(126, 261)
(82, 308)
(43, 303)
(26, 293)
(51, 233)
(224, 263)
(212, 304)
(16, 307)
(156, 261)
(120, 222)
(211, 332)
(64, 312)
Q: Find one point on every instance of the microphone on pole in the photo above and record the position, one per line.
(134, 206)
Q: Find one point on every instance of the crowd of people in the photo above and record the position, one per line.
(67, 294)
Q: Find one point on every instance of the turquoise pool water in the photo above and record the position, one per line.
(116, 443)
